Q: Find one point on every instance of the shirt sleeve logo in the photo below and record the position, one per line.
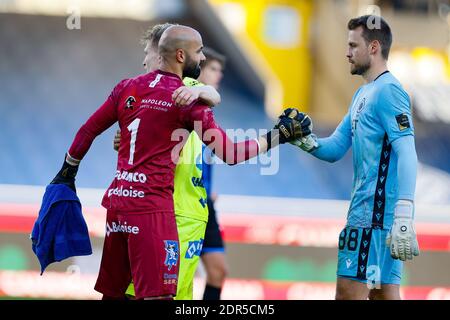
(402, 121)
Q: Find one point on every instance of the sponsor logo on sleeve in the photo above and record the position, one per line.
(402, 121)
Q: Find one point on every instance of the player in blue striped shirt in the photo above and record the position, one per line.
(379, 233)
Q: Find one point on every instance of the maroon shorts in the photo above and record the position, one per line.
(143, 248)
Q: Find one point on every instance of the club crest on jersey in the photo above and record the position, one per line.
(361, 105)
(129, 102)
(172, 253)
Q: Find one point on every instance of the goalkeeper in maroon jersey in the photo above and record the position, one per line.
(141, 242)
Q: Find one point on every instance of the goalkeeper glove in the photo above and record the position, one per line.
(67, 173)
(402, 238)
(292, 125)
(307, 144)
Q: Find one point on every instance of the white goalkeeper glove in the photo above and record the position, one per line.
(308, 143)
(402, 239)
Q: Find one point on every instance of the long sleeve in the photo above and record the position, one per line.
(101, 120)
(394, 113)
(407, 166)
(201, 119)
(334, 147)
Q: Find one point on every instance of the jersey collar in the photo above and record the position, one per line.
(380, 75)
(170, 74)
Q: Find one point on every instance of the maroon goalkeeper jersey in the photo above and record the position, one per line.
(152, 137)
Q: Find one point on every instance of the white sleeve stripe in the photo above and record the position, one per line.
(72, 161)
(259, 146)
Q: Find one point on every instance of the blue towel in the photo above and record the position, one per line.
(60, 230)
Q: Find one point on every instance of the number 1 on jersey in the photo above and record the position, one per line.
(133, 127)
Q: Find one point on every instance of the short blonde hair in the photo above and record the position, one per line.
(153, 34)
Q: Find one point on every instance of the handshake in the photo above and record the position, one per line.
(296, 127)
